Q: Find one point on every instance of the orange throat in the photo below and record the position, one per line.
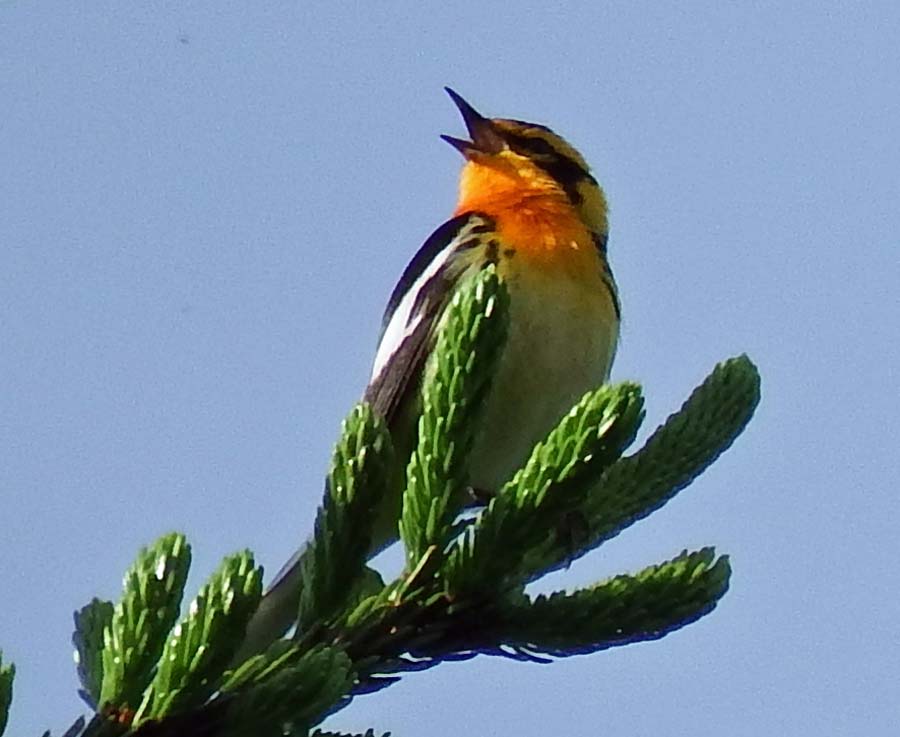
(532, 214)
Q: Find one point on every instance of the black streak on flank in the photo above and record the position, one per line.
(610, 285)
(613, 295)
(600, 242)
(483, 228)
(493, 249)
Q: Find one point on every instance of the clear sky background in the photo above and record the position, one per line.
(203, 209)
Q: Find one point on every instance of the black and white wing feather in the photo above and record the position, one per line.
(416, 306)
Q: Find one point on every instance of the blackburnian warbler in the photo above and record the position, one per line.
(528, 204)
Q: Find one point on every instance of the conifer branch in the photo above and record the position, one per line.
(201, 645)
(676, 453)
(535, 506)
(622, 610)
(90, 623)
(457, 380)
(134, 638)
(333, 561)
(335, 558)
(680, 450)
(294, 689)
(625, 609)
(462, 592)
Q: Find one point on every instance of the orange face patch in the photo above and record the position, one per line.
(532, 213)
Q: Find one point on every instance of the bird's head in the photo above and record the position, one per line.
(515, 158)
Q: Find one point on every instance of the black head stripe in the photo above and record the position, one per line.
(531, 145)
(566, 172)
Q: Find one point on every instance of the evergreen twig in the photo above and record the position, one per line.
(134, 638)
(535, 505)
(90, 623)
(463, 590)
(334, 561)
(201, 645)
(676, 453)
(457, 380)
(624, 609)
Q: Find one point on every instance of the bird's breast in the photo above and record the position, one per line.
(561, 341)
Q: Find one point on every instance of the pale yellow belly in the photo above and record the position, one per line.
(561, 342)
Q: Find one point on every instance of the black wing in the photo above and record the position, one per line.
(415, 308)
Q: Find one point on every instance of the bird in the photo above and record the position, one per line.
(528, 204)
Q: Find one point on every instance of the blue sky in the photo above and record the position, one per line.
(204, 209)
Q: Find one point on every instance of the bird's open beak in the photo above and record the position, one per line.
(485, 138)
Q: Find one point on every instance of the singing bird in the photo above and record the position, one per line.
(529, 205)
